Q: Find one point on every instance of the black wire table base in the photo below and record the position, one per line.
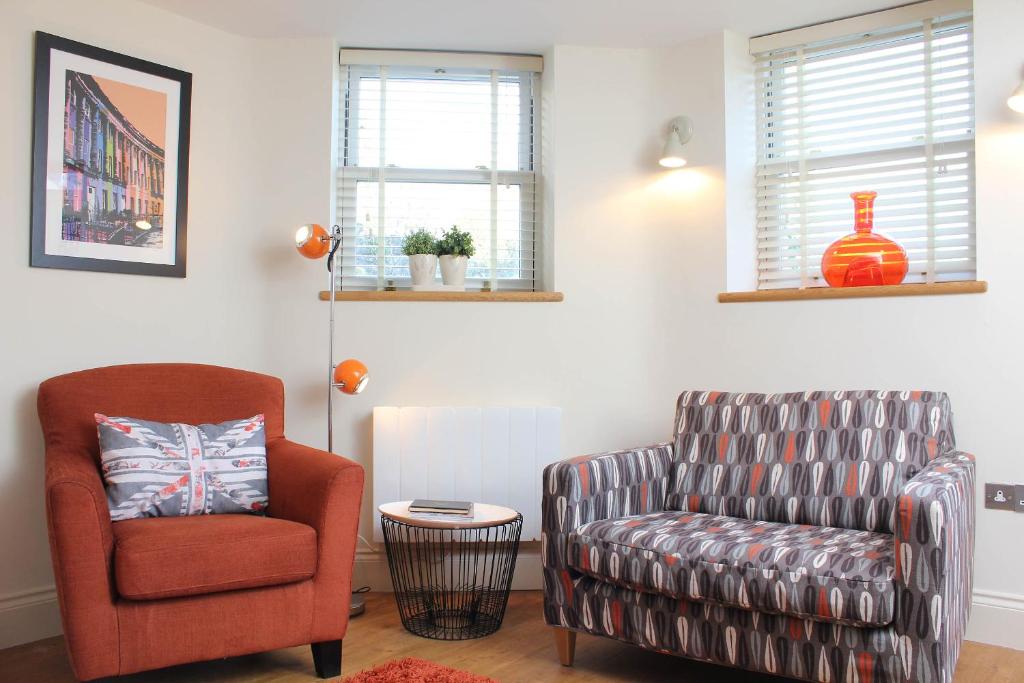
(452, 584)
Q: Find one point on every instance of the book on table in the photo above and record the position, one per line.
(445, 507)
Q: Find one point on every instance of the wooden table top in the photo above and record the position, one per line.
(483, 515)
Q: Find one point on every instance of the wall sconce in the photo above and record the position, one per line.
(680, 132)
(1016, 100)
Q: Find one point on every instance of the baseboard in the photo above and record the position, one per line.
(27, 616)
(997, 619)
(371, 569)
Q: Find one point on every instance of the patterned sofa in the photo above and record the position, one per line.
(824, 536)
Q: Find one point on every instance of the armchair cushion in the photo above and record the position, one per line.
(153, 469)
(821, 573)
(177, 556)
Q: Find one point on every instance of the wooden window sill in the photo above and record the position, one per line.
(971, 287)
(408, 295)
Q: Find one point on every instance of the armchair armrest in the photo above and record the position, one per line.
(325, 491)
(934, 565)
(600, 486)
(586, 489)
(81, 550)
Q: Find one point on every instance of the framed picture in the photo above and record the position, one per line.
(109, 161)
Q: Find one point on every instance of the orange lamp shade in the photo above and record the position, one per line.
(312, 241)
(351, 376)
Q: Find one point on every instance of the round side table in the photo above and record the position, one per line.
(452, 573)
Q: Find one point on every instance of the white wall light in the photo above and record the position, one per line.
(1016, 100)
(680, 132)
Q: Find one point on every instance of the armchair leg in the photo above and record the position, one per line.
(327, 658)
(565, 642)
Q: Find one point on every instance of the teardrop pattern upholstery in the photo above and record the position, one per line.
(878, 462)
(821, 573)
(824, 458)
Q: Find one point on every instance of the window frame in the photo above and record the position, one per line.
(789, 47)
(350, 173)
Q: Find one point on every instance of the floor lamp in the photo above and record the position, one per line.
(349, 376)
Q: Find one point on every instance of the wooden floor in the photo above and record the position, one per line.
(522, 651)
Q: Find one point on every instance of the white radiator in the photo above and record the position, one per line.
(489, 455)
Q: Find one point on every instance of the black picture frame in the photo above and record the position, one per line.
(45, 46)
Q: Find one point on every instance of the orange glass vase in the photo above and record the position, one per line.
(864, 258)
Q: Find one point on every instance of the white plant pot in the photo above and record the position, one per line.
(422, 268)
(453, 270)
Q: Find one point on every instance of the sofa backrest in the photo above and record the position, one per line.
(826, 458)
(163, 392)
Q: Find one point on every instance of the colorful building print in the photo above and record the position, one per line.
(113, 173)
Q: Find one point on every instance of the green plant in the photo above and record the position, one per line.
(419, 242)
(455, 242)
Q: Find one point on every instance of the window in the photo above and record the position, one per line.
(887, 109)
(431, 140)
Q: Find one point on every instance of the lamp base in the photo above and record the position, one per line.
(357, 606)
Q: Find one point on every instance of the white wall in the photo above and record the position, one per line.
(613, 355)
(56, 321)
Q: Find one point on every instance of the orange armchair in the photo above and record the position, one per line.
(148, 593)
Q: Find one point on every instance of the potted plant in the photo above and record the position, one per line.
(421, 248)
(455, 247)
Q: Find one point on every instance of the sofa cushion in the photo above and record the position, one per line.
(820, 573)
(167, 557)
(829, 458)
(152, 469)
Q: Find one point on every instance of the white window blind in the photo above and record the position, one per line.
(432, 147)
(890, 110)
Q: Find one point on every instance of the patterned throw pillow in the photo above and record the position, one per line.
(154, 469)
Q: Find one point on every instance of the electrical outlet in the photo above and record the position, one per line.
(1003, 497)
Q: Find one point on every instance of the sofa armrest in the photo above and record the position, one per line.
(934, 565)
(600, 486)
(325, 491)
(81, 550)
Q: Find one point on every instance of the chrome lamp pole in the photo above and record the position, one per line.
(350, 376)
(335, 242)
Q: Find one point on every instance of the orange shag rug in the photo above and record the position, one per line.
(412, 670)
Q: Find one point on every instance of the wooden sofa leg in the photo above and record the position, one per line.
(327, 658)
(565, 641)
